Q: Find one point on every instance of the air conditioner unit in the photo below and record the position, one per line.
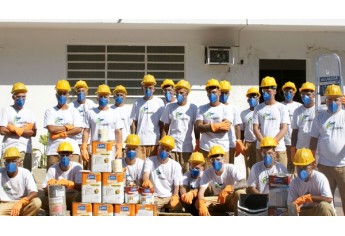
(221, 55)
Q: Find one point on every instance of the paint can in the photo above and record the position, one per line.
(57, 200)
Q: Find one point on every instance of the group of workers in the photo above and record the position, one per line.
(182, 151)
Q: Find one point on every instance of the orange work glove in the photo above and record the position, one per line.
(67, 183)
(28, 126)
(51, 182)
(220, 127)
(240, 148)
(147, 184)
(224, 193)
(174, 200)
(343, 100)
(203, 210)
(84, 152)
(68, 127)
(188, 197)
(293, 152)
(19, 205)
(118, 153)
(63, 134)
(14, 129)
(303, 199)
(197, 145)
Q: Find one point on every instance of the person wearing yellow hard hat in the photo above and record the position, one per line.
(226, 181)
(163, 174)
(63, 123)
(251, 156)
(18, 190)
(302, 119)
(102, 124)
(271, 118)
(214, 121)
(169, 91)
(18, 125)
(146, 113)
(309, 194)
(82, 104)
(328, 135)
(289, 89)
(66, 173)
(259, 174)
(179, 120)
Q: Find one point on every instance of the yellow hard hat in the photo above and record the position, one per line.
(182, 84)
(212, 83)
(19, 88)
(197, 157)
(11, 153)
(65, 147)
(303, 157)
(120, 89)
(253, 90)
(81, 84)
(268, 81)
(167, 141)
(289, 85)
(268, 142)
(63, 85)
(103, 89)
(225, 86)
(307, 86)
(333, 90)
(132, 140)
(216, 150)
(167, 82)
(148, 80)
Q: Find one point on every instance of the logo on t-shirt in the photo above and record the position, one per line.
(16, 119)
(250, 120)
(99, 120)
(178, 115)
(267, 116)
(265, 180)
(58, 120)
(209, 115)
(332, 126)
(145, 110)
(306, 118)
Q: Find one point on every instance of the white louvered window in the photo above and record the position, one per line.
(126, 65)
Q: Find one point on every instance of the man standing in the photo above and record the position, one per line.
(169, 91)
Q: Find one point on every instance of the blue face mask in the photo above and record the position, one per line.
(131, 154)
(11, 167)
(81, 97)
(223, 98)
(252, 102)
(62, 99)
(20, 102)
(148, 93)
(268, 161)
(180, 98)
(303, 175)
(194, 172)
(288, 96)
(168, 96)
(217, 165)
(212, 97)
(266, 96)
(118, 100)
(64, 161)
(333, 107)
(163, 155)
(306, 100)
(102, 102)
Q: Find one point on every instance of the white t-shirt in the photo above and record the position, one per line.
(212, 115)
(124, 113)
(72, 174)
(236, 121)
(18, 187)
(302, 121)
(135, 171)
(82, 108)
(18, 118)
(292, 106)
(164, 177)
(317, 185)
(247, 125)
(269, 118)
(330, 131)
(57, 117)
(147, 113)
(181, 120)
(190, 182)
(230, 176)
(259, 175)
(96, 120)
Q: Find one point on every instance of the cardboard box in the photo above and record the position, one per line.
(81, 209)
(114, 193)
(91, 189)
(124, 210)
(276, 181)
(277, 197)
(100, 147)
(278, 211)
(102, 162)
(145, 210)
(132, 194)
(102, 209)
